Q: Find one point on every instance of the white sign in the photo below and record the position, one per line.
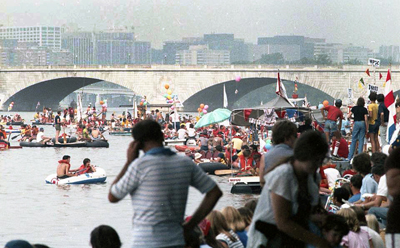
(373, 88)
(374, 62)
(350, 93)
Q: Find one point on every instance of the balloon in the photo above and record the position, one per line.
(268, 141)
(199, 109)
(172, 107)
(169, 97)
(101, 102)
(165, 95)
(205, 107)
(320, 106)
(268, 146)
(170, 101)
(197, 118)
(204, 111)
(12, 103)
(325, 103)
(145, 103)
(166, 86)
(202, 105)
(142, 100)
(169, 92)
(238, 78)
(295, 85)
(141, 103)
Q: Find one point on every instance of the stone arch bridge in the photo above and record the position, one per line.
(25, 86)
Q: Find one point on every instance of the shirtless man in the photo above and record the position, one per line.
(96, 134)
(64, 168)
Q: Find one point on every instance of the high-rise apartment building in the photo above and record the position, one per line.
(81, 46)
(44, 36)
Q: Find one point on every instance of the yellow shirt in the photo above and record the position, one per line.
(372, 107)
(237, 143)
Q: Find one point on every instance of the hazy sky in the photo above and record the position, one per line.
(361, 22)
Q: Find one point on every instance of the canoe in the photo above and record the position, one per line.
(8, 131)
(97, 143)
(42, 124)
(88, 178)
(211, 167)
(182, 148)
(15, 123)
(245, 185)
(120, 133)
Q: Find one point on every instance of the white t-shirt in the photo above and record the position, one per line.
(382, 187)
(283, 182)
(376, 238)
(181, 133)
(331, 174)
(39, 136)
(191, 132)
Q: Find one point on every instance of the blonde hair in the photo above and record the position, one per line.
(233, 219)
(351, 218)
(372, 222)
(219, 225)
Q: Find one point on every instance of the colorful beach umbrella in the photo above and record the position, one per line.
(216, 116)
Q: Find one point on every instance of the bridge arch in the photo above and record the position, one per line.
(237, 91)
(49, 92)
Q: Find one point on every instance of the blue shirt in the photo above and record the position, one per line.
(355, 198)
(276, 154)
(369, 185)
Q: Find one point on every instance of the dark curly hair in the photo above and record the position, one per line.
(362, 163)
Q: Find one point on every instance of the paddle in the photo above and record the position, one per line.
(225, 172)
(13, 138)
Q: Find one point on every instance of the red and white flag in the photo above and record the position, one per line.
(390, 105)
(280, 88)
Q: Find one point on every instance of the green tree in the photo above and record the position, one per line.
(273, 58)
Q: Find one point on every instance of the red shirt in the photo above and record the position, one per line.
(343, 148)
(333, 113)
(349, 172)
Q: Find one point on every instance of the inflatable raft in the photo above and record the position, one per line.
(42, 123)
(97, 143)
(120, 133)
(182, 148)
(88, 178)
(211, 167)
(15, 123)
(245, 185)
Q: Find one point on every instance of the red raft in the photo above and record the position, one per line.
(182, 148)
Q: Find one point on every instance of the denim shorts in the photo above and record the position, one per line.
(373, 128)
(330, 126)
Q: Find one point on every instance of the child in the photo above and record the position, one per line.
(357, 237)
(339, 196)
(334, 229)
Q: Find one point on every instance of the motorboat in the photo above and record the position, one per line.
(245, 185)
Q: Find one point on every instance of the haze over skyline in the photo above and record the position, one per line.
(367, 23)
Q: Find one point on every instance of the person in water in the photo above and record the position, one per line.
(86, 167)
(64, 168)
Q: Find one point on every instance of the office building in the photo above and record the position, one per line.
(43, 36)
(81, 46)
(141, 52)
(202, 55)
(334, 51)
(357, 54)
(391, 53)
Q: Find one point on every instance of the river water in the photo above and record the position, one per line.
(64, 216)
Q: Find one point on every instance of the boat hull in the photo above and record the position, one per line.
(245, 185)
(210, 168)
(88, 178)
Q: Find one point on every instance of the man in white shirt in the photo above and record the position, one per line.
(182, 132)
(40, 138)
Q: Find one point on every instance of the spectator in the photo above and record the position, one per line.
(284, 134)
(220, 227)
(355, 185)
(357, 237)
(104, 236)
(340, 195)
(360, 126)
(373, 127)
(334, 114)
(383, 118)
(392, 168)
(158, 196)
(236, 223)
(362, 164)
(340, 147)
(247, 216)
(334, 229)
(376, 238)
(251, 205)
(288, 197)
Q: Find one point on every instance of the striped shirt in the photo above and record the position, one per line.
(231, 244)
(158, 184)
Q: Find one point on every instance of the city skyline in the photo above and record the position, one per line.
(365, 23)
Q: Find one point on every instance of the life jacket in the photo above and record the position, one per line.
(63, 161)
(245, 165)
(83, 169)
(4, 133)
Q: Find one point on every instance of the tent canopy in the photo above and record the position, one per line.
(240, 117)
